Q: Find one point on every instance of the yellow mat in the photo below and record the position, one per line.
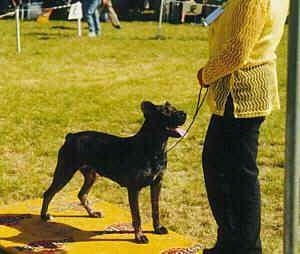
(72, 231)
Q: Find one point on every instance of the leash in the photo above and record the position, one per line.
(199, 105)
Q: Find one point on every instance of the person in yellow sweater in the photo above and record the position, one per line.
(242, 90)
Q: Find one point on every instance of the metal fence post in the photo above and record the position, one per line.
(292, 173)
(18, 32)
(161, 13)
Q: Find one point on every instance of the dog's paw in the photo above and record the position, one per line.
(96, 214)
(46, 217)
(161, 230)
(142, 239)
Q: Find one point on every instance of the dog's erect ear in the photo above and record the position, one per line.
(167, 104)
(147, 107)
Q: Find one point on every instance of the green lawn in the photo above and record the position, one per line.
(61, 83)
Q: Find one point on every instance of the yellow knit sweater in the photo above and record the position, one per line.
(242, 62)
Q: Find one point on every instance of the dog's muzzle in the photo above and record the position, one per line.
(179, 119)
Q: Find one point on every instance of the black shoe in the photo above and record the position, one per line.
(117, 26)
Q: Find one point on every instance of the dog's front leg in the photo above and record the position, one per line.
(133, 195)
(155, 192)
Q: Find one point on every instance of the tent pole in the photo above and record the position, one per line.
(292, 172)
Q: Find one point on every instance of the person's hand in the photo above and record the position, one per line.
(200, 78)
(105, 2)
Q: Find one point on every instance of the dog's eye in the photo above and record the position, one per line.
(166, 111)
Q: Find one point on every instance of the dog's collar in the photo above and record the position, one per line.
(199, 105)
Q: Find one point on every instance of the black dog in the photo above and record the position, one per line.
(133, 162)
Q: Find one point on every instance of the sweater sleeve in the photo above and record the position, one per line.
(248, 20)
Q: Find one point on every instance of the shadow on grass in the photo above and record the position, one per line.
(160, 38)
(48, 36)
(64, 28)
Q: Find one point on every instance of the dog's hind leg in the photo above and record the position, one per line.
(89, 179)
(62, 176)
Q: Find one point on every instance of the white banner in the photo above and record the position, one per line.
(75, 11)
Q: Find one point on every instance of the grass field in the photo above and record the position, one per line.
(61, 83)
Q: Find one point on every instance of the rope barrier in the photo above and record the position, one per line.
(44, 16)
(12, 13)
(58, 7)
(8, 14)
(203, 4)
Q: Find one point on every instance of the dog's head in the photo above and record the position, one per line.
(164, 117)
